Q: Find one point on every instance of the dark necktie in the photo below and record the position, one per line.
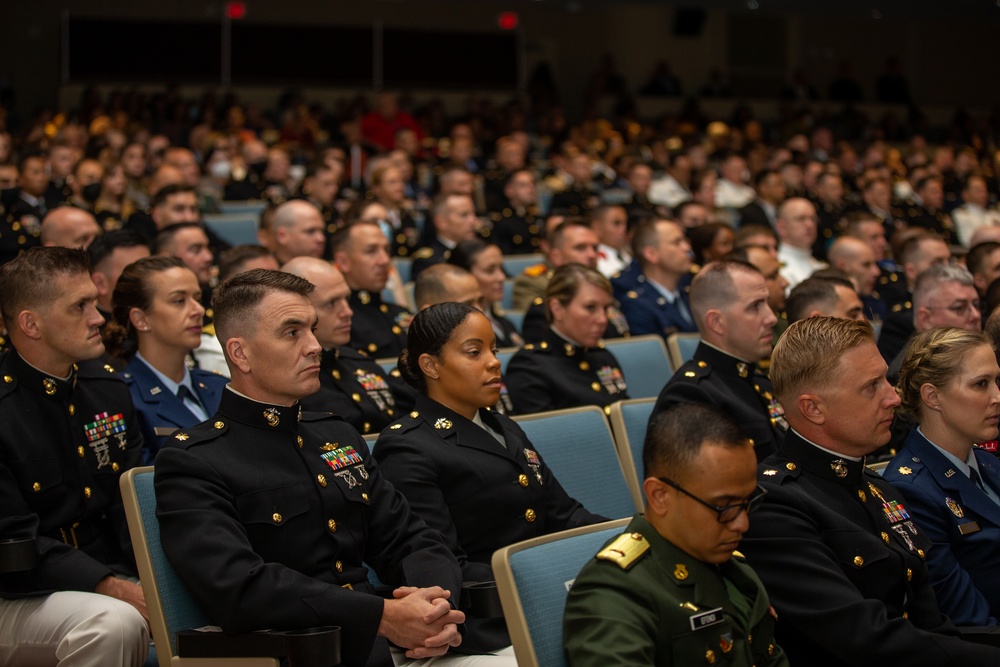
(184, 394)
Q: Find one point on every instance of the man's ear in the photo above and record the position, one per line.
(236, 351)
(29, 324)
(812, 408)
(715, 321)
(659, 496)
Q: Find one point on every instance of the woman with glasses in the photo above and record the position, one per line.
(485, 261)
(948, 386)
(569, 367)
(470, 473)
(671, 589)
(157, 323)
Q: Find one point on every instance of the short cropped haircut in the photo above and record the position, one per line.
(106, 244)
(936, 275)
(809, 351)
(676, 435)
(231, 261)
(28, 281)
(168, 191)
(235, 302)
(566, 282)
(979, 254)
(714, 287)
(813, 293)
(164, 241)
(433, 284)
(746, 232)
(555, 239)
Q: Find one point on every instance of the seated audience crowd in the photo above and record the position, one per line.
(420, 280)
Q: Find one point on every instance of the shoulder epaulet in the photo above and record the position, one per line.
(423, 253)
(738, 554)
(311, 416)
(625, 550)
(209, 329)
(405, 423)
(536, 270)
(196, 435)
(695, 370)
(543, 346)
(776, 471)
(95, 368)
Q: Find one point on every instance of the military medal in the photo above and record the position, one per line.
(362, 471)
(347, 477)
(726, 642)
(954, 507)
(342, 457)
(534, 463)
(99, 433)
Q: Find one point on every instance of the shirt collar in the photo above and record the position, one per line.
(169, 384)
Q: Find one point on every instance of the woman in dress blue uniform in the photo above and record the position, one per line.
(948, 385)
(485, 261)
(468, 472)
(157, 322)
(569, 366)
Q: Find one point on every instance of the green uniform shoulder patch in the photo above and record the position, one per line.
(625, 550)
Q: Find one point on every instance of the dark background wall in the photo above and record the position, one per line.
(947, 48)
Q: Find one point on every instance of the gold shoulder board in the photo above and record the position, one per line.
(625, 550)
(424, 253)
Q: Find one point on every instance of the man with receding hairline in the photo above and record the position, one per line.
(297, 230)
(841, 558)
(729, 302)
(290, 504)
(69, 227)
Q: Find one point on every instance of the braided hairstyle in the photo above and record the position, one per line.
(428, 333)
(933, 357)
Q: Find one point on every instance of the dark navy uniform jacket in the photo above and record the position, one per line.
(554, 374)
(843, 561)
(270, 516)
(160, 410)
(378, 328)
(649, 312)
(63, 446)
(716, 378)
(480, 494)
(362, 393)
(961, 520)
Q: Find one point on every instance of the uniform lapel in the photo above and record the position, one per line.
(964, 489)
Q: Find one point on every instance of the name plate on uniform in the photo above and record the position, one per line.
(164, 430)
(969, 528)
(706, 618)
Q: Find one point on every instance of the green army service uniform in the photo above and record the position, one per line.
(643, 601)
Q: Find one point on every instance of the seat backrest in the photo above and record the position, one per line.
(504, 354)
(577, 445)
(507, 301)
(681, 347)
(170, 606)
(516, 318)
(644, 363)
(235, 228)
(404, 265)
(629, 420)
(533, 578)
(247, 208)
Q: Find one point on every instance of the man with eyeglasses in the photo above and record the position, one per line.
(840, 556)
(672, 589)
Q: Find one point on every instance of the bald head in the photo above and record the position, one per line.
(446, 282)
(857, 259)
(329, 298)
(297, 231)
(165, 175)
(69, 227)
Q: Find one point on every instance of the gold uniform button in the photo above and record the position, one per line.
(80, 452)
(790, 466)
(384, 308)
(596, 386)
(771, 650)
(529, 515)
(338, 566)
(909, 574)
(8, 379)
(396, 330)
(356, 398)
(372, 347)
(276, 517)
(522, 480)
(920, 552)
(702, 364)
(906, 614)
(859, 561)
(862, 496)
(322, 480)
(72, 409)
(368, 427)
(584, 366)
(331, 526)
(414, 414)
(364, 497)
(710, 656)
(114, 466)
(298, 441)
(219, 425)
(87, 492)
(335, 374)
(36, 487)
(749, 639)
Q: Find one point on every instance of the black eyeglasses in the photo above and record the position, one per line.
(725, 513)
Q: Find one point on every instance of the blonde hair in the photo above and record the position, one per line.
(809, 350)
(933, 357)
(566, 283)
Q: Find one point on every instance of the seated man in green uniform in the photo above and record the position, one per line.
(672, 590)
